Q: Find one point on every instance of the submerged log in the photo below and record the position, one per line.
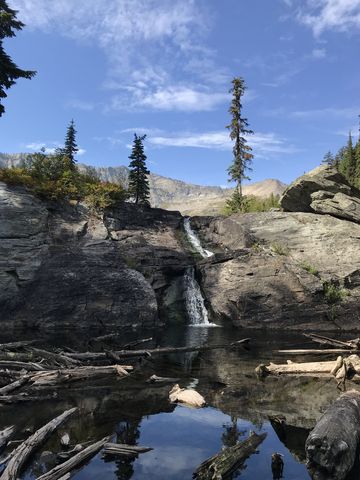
(14, 385)
(331, 446)
(25, 449)
(63, 469)
(225, 463)
(155, 351)
(5, 435)
(126, 450)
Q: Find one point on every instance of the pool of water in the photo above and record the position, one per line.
(134, 412)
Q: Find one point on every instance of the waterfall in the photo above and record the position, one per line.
(194, 240)
(194, 301)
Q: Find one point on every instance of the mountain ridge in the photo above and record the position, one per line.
(171, 194)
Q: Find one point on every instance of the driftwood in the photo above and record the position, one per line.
(225, 463)
(186, 396)
(124, 450)
(29, 366)
(156, 379)
(332, 445)
(5, 435)
(54, 377)
(349, 345)
(25, 449)
(57, 358)
(65, 440)
(63, 469)
(324, 351)
(24, 398)
(15, 345)
(155, 351)
(14, 385)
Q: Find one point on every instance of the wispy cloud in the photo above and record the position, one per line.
(146, 43)
(263, 144)
(339, 15)
(346, 112)
(80, 105)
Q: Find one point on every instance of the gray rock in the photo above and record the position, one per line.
(338, 205)
(298, 196)
(278, 281)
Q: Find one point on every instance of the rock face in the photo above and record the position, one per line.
(323, 190)
(275, 268)
(64, 266)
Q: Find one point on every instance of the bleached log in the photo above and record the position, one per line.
(223, 464)
(309, 351)
(187, 396)
(332, 445)
(54, 377)
(14, 385)
(64, 468)
(25, 449)
(292, 368)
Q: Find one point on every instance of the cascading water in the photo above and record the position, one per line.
(194, 301)
(194, 240)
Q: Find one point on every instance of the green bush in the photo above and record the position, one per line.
(55, 177)
(310, 268)
(250, 204)
(333, 294)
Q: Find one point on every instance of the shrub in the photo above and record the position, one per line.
(333, 293)
(250, 204)
(279, 249)
(310, 268)
(103, 195)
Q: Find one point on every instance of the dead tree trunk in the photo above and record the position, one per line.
(223, 464)
(331, 447)
(63, 469)
(25, 449)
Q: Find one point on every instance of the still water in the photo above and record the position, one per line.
(134, 412)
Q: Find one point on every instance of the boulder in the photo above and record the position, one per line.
(316, 190)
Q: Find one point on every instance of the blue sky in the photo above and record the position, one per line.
(164, 67)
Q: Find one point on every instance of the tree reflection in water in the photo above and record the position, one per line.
(126, 432)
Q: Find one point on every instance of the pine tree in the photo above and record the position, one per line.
(138, 176)
(9, 72)
(70, 149)
(348, 164)
(357, 160)
(238, 127)
(329, 159)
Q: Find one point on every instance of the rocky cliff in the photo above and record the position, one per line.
(63, 265)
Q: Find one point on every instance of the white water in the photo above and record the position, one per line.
(194, 301)
(194, 240)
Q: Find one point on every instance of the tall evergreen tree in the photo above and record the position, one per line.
(348, 164)
(9, 72)
(328, 158)
(138, 176)
(70, 149)
(238, 127)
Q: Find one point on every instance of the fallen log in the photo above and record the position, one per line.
(225, 463)
(58, 358)
(14, 385)
(353, 344)
(332, 445)
(25, 398)
(156, 379)
(29, 366)
(341, 369)
(122, 449)
(5, 435)
(154, 351)
(15, 345)
(54, 377)
(64, 468)
(25, 449)
(309, 351)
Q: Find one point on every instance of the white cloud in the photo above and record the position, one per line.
(80, 105)
(50, 147)
(263, 144)
(339, 15)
